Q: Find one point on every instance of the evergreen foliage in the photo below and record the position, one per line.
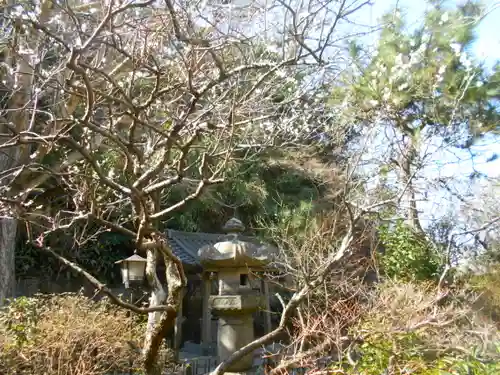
(408, 255)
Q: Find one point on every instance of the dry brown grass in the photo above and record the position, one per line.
(67, 335)
(388, 327)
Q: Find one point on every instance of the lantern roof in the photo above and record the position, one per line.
(133, 258)
(185, 245)
(233, 251)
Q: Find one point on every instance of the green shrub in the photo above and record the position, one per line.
(408, 255)
(407, 331)
(472, 364)
(99, 254)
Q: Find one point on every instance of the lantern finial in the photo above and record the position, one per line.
(233, 225)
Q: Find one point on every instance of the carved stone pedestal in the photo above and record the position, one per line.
(235, 328)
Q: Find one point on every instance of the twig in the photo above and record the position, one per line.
(103, 289)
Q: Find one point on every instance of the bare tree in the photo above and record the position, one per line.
(117, 102)
(341, 314)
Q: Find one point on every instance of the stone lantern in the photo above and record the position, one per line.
(233, 260)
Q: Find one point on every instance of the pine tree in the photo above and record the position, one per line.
(422, 83)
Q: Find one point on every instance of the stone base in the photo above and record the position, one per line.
(236, 304)
(235, 332)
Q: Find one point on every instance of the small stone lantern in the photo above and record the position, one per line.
(233, 260)
(133, 269)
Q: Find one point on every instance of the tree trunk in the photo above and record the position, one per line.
(8, 231)
(408, 158)
(18, 115)
(158, 297)
(9, 158)
(160, 323)
(21, 108)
